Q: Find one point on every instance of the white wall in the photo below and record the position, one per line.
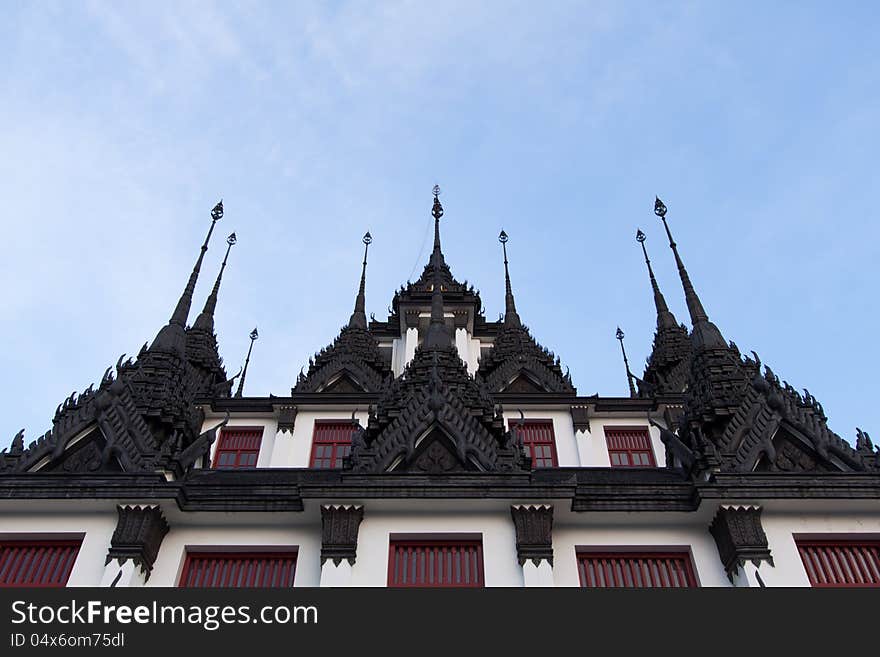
(594, 532)
(294, 450)
(563, 430)
(488, 518)
(781, 527)
(269, 426)
(98, 528)
(501, 567)
(227, 533)
(593, 448)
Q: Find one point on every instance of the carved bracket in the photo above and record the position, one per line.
(339, 532)
(580, 418)
(740, 537)
(534, 533)
(138, 535)
(286, 418)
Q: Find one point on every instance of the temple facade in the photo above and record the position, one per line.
(438, 448)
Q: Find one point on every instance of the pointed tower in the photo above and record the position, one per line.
(254, 335)
(143, 419)
(437, 336)
(201, 342)
(435, 418)
(738, 420)
(511, 317)
(667, 368)
(358, 317)
(516, 362)
(172, 337)
(717, 378)
(353, 363)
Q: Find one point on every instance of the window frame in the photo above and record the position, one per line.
(49, 543)
(335, 458)
(806, 542)
(683, 553)
(192, 553)
(469, 541)
(215, 461)
(629, 451)
(554, 455)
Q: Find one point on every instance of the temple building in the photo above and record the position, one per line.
(438, 448)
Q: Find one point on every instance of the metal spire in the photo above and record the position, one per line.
(172, 335)
(254, 335)
(437, 335)
(511, 317)
(705, 333)
(665, 318)
(205, 320)
(358, 317)
(629, 377)
(437, 211)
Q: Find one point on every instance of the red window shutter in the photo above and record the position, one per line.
(629, 447)
(238, 570)
(37, 563)
(451, 563)
(636, 570)
(238, 447)
(331, 443)
(841, 563)
(538, 438)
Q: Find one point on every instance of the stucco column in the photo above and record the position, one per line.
(462, 343)
(339, 537)
(581, 422)
(134, 545)
(412, 341)
(742, 544)
(534, 542)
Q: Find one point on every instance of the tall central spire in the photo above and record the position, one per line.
(511, 317)
(172, 336)
(358, 316)
(438, 336)
(665, 318)
(205, 320)
(437, 259)
(705, 333)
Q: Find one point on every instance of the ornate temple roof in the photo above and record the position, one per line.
(667, 367)
(435, 418)
(516, 362)
(144, 418)
(738, 420)
(353, 362)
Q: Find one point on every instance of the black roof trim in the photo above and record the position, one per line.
(590, 489)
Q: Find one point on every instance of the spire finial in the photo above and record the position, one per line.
(665, 319)
(205, 320)
(511, 317)
(629, 377)
(705, 332)
(437, 212)
(172, 336)
(253, 336)
(437, 335)
(358, 317)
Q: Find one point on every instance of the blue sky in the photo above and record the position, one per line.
(123, 123)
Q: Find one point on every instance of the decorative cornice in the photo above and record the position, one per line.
(580, 418)
(534, 532)
(740, 537)
(286, 418)
(339, 532)
(138, 535)
(588, 489)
